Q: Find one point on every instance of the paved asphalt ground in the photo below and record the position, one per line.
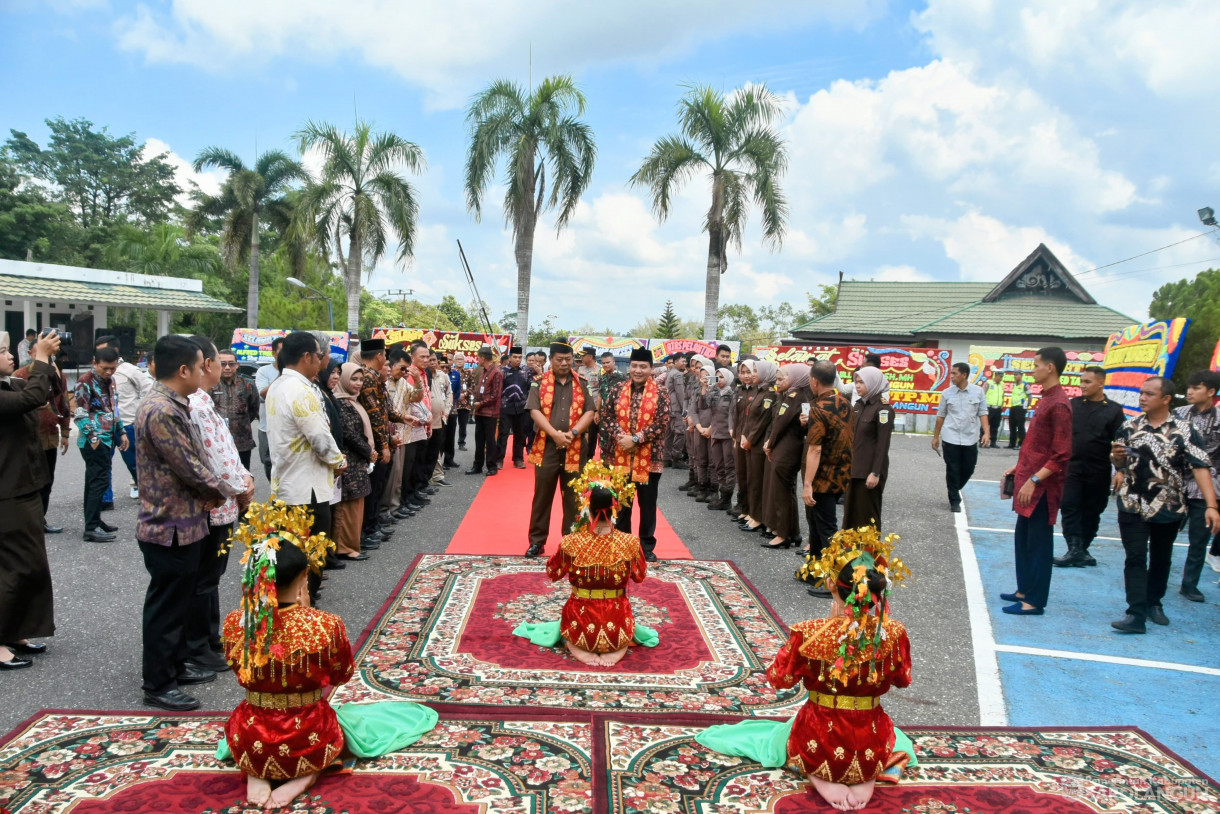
(94, 660)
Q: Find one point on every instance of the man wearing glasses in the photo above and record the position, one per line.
(236, 400)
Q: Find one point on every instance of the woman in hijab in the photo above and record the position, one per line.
(698, 419)
(753, 437)
(355, 483)
(785, 448)
(872, 426)
(745, 397)
(719, 400)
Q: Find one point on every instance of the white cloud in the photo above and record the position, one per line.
(899, 274)
(209, 180)
(986, 249)
(444, 47)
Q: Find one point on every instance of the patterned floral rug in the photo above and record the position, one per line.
(446, 637)
(658, 767)
(95, 763)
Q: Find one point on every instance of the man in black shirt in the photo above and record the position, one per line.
(1095, 422)
(513, 417)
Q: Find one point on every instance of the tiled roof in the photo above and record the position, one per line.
(125, 296)
(1043, 317)
(893, 307)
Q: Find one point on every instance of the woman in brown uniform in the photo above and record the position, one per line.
(872, 426)
(745, 396)
(753, 435)
(785, 449)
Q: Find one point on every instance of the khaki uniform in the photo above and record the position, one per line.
(787, 442)
(741, 404)
(551, 473)
(872, 427)
(719, 405)
(757, 427)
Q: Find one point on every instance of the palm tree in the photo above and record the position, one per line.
(246, 194)
(535, 133)
(732, 138)
(360, 195)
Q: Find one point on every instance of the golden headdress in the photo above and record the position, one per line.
(616, 481)
(266, 527)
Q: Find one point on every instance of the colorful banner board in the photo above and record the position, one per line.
(1007, 363)
(917, 376)
(449, 342)
(1139, 352)
(664, 347)
(620, 346)
(1215, 365)
(252, 346)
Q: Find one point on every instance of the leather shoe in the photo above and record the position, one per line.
(98, 536)
(473, 471)
(1010, 597)
(369, 545)
(534, 550)
(518, 464)
(1017, 610)
(194, 674)
(492, 471)
(361, 557)
(955, 507)
(333, 564)
(174, 700)
(432, 490)
(208, 662)
(104, 526)
(29, 649)
(47, 528)
(418, 501)
(402, 513)
(650, 557)
(1129, 624)
(1193, 594)
(387, 519)
(820, 593)
(1156, 615)
(15, 664)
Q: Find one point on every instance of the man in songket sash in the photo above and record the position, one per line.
(635, 420)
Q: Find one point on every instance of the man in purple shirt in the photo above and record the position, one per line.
(177, 490)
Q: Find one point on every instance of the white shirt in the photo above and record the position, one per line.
(303, 452)
(262, 380)
(131, 385)
(220, 454)
(24, 353)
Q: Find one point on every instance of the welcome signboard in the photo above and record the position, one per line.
(1005, 364)
(449, 342)
(619, 346)
(917, 376)
(252, 346)
(662, 348)
(1139, 352)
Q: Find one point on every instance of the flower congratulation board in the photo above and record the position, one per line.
(446, 638)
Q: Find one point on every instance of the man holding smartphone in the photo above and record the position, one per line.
(961, 415)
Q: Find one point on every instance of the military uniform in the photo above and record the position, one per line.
(675, 443)
(872, 427)
(719, 403)
(787, 443)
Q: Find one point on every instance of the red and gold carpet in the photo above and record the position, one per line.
(446, 637)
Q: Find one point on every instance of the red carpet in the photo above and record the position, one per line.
(499, 518)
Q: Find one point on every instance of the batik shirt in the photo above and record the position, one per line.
(830, 428)
(220, 453)
(470, 384)
(610, 429)
(237, 401)
(1159, 463)
(1207, 424)
(97, 413)
(373, 399)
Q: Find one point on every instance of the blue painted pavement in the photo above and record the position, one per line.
(1173, 706)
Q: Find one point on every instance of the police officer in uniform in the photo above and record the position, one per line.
(675, 383)
(1018, 402)
(995, 406)
(872, 427)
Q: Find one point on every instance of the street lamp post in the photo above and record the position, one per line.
(330, 306)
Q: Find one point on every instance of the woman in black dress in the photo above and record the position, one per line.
(785, 448)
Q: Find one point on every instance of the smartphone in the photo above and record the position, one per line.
(1008, 486)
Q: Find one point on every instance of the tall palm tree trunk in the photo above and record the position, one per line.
(252, 291)
(711, 294)
(354, 279)
(525, 267)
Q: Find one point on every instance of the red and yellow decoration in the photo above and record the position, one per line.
(546, 394)
(638, 461)
(615, 481)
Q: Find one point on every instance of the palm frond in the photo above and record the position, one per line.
(672, 161)
(220, 158)
(400, 207)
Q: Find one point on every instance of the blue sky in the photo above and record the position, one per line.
(938, 140)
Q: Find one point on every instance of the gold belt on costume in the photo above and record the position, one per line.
(843, 701)
(282, 700)
(598, 593)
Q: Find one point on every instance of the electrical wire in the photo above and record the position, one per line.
(1145, 254)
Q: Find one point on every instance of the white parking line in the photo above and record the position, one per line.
(992, 709)
(1060, 534)
(1068, 654)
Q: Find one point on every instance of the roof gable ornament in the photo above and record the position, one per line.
(1040, 273)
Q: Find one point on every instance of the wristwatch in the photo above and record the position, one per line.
(1035, 479)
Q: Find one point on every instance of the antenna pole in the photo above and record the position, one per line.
(473, 288)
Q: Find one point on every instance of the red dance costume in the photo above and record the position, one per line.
(285, 728)
(597, 617)
(842, 735)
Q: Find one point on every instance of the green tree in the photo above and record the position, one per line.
(536, 133)
(100, 177)
(821, 305)
(360, 195)
(733, 139)
(667, 326)
(247, 194)
(1198, 299)
(33, 225)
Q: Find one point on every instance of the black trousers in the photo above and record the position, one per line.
(463, 420)
(46, 490)
(485, 446)
(823, 520)
(97, 480)
(646, 502)
(995, 417)
(173, 571)
(1034, 546)
(516, 425)
(411, 455)
(450, 443)
(1016, 426)
(425, 464)
(960, 460)
(1086, 492)
(244, 455)
(322, 522)
(1149, 548)
(1198, 537)
(203, 622)
(372, 504)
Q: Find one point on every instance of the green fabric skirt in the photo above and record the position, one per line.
(766, 742)
(547, 634)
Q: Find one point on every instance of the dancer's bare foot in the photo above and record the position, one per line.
(258, 791)
(583, 656)
(285, 794)
(836, 795)
(859, 794)
(611, 659)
